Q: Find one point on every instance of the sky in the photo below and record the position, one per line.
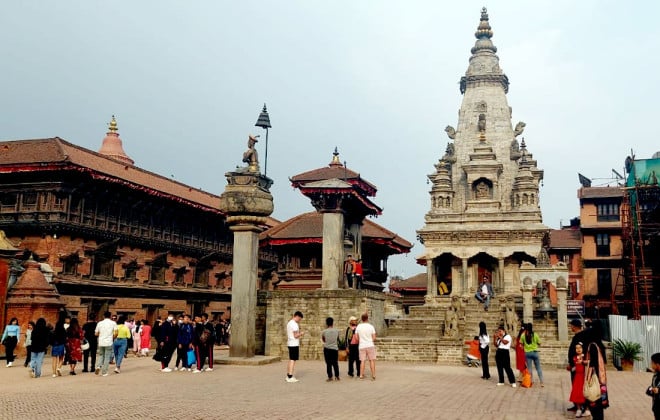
(377, 79)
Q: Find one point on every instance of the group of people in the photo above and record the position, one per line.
(191, 338)
(358, 341)
(353, 272)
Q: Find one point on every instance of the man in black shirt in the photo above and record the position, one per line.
(89, 328)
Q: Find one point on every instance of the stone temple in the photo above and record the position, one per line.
(485, 218)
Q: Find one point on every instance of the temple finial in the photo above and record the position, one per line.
(112, 126)
(335, 158)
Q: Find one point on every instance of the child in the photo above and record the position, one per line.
(653, 390)
(473, 357)
(577, 397)
(330, 338)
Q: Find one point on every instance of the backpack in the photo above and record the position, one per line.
(205, 336)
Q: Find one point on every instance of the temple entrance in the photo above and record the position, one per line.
(443, 273)
(484, 267)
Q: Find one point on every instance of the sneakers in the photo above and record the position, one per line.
(59, 372)
(513, 385)
(585, 413)
(327, 380)
(176, 368)
(117, 370)
(32, 374)
(97, 370)
(574, 408)
(105, 374)
(196, 370)
(10, 364)
(209, 369)
(291, 379)
(189, 369)
(166, 370)
(500, 384)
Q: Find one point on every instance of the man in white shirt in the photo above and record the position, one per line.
(106, 331)
(485, 292)
(366, 336)
(293, 335)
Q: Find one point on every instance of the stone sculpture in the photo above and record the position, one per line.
(451, 132)
(520, 127)
(250, 155)
(510, 316)
(481, 125)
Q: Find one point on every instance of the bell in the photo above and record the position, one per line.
(545, 305)
(264, 120)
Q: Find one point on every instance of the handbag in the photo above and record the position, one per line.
(591, 386)
(191, 357)
(84, 344)
(343, 355)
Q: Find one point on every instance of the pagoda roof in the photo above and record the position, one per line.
(565, 239)
(308, 228)
(600, 192)
(56, 154)
(416, 282)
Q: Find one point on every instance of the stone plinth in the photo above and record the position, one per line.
(247, 202)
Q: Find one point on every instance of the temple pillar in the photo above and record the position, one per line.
(247, 201)
(500, 274)
(431, 281)
(528, 302)
(562, 309)
(464, 275)
(333, 250)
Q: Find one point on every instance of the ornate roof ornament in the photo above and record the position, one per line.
(335, 158)
(484, 34)
(112, 145)
(112, 126)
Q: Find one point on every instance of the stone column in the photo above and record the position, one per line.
(528, 303)
(247, 201)
(562, 309)
(464, 275)
(500, 276)
(333, 250)
(431, 283)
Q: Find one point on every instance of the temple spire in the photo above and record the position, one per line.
(335, 159)
(112, 145)
(484, 34)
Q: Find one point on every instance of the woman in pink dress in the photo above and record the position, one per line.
(577, 395)
(145, 338)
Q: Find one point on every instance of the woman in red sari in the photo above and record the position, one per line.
(74, 336)
(521, 362)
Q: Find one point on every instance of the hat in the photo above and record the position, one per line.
(351, 319)
(576, 322)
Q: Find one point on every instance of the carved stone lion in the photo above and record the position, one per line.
(510, 316)
(451, 132)
(451, 322)
(520, 127)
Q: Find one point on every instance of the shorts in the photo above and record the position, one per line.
(368, 353)
(294, 353)
(58, 350)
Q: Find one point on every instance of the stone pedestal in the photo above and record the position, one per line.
(247, 201)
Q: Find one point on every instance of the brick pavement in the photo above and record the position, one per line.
(401, 391)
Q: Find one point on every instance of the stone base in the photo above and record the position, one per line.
(246, 361)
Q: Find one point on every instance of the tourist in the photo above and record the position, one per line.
(204, 342)
(167, 342)
(366, 336)
(89, 328)
(473, 354)
(330, 337)
(595, 354)
(10, 338)
(358, 275)
(28, 343)
(485, 292)
(135, 335)
(352, 344)
(112, 353)
(121, 342)
(40, 337)
(578, 337)
(106, 331)
(145, 338)
(502, 357)
(484, 349)
(349, 270)
(184, 342)
(531, 342)
(654, 390)
(293, 335)
(59, 341)
(521, 361)
(74, 336)
(577, 394)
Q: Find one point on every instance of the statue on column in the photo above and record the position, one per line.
(510, 316)
(250, 156)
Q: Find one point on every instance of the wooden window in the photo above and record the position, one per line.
(608, 212)
(602, 245)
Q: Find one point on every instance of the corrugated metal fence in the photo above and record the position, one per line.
(645, 331)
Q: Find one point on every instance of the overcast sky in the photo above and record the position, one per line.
(376, 79)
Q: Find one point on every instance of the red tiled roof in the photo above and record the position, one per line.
(308, 227)
(56, 154)
(416, 282)
(600, 192)
(565, 238)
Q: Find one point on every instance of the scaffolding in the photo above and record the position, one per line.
(637, 284)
